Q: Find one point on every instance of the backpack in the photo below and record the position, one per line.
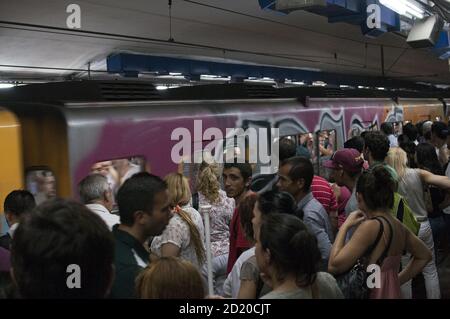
(404, 214)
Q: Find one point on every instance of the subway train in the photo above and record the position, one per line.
(52, 134)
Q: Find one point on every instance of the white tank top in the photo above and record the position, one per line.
(410, 187)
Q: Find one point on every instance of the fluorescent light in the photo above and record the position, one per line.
(162, 87)
(319, 83)
(404, 7)
(209, 77)
(6, 85)
(260, 80)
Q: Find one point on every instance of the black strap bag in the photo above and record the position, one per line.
(353, 283)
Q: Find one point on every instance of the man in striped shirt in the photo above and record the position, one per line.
(323, 192)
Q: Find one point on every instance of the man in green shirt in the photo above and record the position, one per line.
(144, 211)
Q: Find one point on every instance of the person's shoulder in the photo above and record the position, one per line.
(368, 227)
(320, 181)
(328, 286)
(191, 210)
(325, 277)
(224, 198)
(315, 207)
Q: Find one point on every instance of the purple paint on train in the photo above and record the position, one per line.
(151, 138)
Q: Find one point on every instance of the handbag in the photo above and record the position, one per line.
(353, 283)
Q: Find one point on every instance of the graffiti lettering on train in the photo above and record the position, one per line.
(74, 19)
(74, 279)
(254, 145)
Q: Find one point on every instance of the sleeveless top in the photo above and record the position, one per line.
(389, 287)
(410, 187)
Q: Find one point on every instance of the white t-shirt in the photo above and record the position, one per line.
(109, 218)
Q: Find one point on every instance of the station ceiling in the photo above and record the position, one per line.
(36, 45)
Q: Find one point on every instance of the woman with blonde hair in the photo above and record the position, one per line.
(222, 207)
(410, 186)
(170, 278)
(184, 235)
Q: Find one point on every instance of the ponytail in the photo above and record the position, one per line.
(195, 236)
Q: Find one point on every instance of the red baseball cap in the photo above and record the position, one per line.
(348, 159)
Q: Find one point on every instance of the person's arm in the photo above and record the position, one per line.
(333, 214)
(172, 237)
(247, 290)
(436, 180)
(420, 254)
(316, 227)
(344, 256)
(170, 249)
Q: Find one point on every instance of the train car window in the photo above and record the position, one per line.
(305, 145)
(41, 182)
(325, 142)
(117, 171)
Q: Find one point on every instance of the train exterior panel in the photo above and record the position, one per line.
(69, 138)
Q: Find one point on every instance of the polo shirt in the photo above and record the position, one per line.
(323, 192)
(130, 258)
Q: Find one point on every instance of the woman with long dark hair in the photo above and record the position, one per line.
(287, 253)
(379, 237)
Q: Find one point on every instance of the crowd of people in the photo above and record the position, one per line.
(289, 235)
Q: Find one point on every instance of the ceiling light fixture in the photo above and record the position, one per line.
(408, 8)
(6, 85)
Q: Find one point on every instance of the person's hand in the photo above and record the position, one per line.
(354, 219)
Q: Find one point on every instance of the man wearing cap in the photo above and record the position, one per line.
(439, 133)
(346, 165)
